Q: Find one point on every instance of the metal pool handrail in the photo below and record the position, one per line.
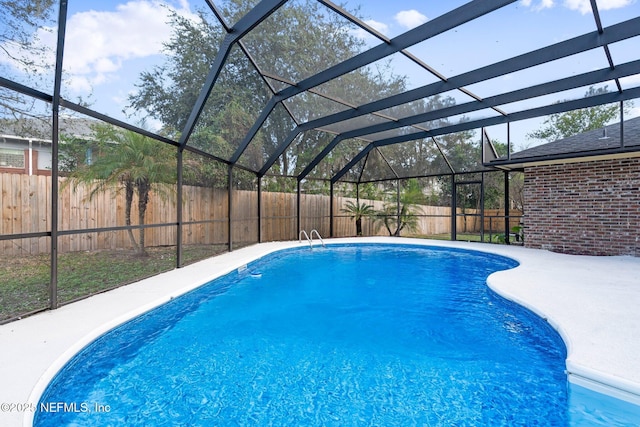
(310, 239)
(317, 234)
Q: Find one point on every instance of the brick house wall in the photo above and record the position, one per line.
(586, 208)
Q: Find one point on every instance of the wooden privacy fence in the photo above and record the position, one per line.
(494, 220)
(25, 206)
(469, 220)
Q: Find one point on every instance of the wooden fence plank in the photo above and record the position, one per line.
(44, 212)
(6, 197)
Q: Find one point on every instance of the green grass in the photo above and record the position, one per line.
(81, 274)
(462, 237)
(24, 281)
(24, 285)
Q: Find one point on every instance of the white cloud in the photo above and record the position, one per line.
(16, 57)
(584, 6)
(378, 26)
(539, 5)
(630, 81)
(410, 18)
(98, 42)
(83, 84)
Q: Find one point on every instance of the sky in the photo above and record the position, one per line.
(522, 27)
(109, 43)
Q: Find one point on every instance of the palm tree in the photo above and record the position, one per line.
(402, 214)
(357, 211)
(406, 219)
(131, 162)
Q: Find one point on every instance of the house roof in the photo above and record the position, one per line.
(608, 141)
(40, 129)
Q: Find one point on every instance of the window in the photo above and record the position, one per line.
(11, 158)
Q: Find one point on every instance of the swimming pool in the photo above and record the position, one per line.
(346, 336)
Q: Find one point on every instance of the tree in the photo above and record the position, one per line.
(18, 20)
(405, 219)
(294, 44)
(464, 154)
(402, 214)
(21, 22)
(133, 163)
(73, 153)
(562, 125)
(366, 190)
(358, 211)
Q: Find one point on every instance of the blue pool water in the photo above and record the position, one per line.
(347, 335)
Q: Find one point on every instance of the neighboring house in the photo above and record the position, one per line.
(582, 193)
(29, 156)
(25, 145)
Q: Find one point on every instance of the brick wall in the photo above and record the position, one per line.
(588, 208)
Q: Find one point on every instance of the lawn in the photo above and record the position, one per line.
(24, 281)
(462, 237)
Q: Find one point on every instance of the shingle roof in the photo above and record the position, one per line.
(594, 140)
(41, 128)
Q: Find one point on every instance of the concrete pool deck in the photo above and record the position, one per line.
(594, 302)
